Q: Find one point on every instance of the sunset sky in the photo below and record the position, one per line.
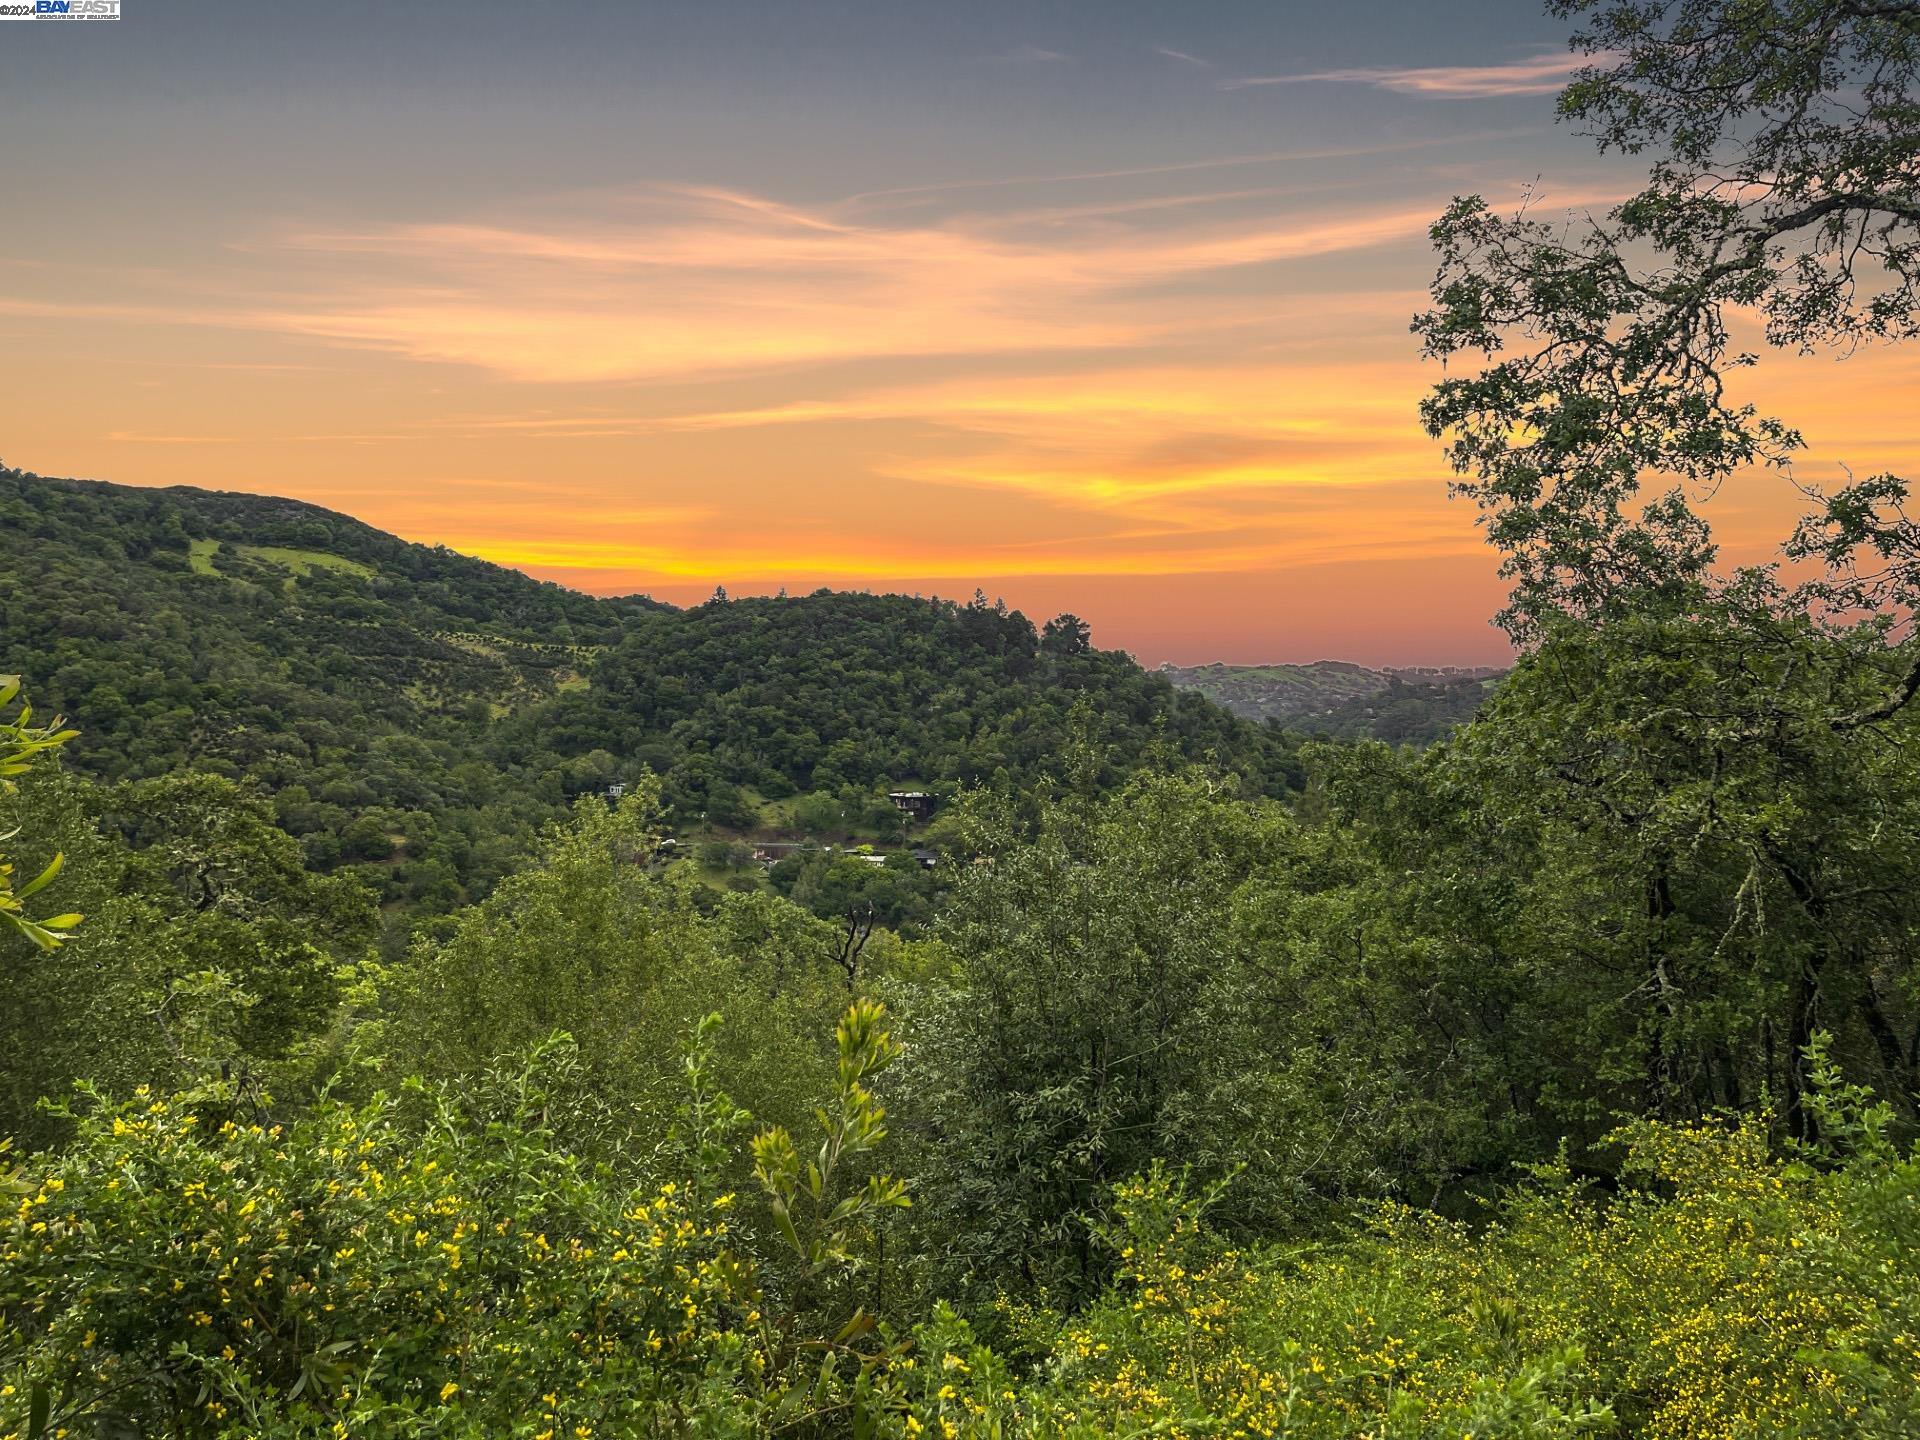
(1095, 306)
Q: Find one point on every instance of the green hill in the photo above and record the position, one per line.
(420, 714)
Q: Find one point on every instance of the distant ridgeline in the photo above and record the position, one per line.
(1404, 705)
(420, 714)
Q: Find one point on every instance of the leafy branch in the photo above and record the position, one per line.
(832, 1222)
(21, 744)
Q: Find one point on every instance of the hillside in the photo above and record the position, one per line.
(1406, 704)
(420, 714)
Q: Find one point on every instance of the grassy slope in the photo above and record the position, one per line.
(203, 555)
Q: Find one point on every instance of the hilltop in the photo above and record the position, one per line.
(420, 714)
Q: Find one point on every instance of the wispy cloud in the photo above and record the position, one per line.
(1031, 55)
(1182, 56)
(851, 557)
(1169, 446)
(1165, 451)
(131, 437)
(1302, 156)
(1542, 74)
(684, 282)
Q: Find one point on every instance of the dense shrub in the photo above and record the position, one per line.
(437, 1265)
(1723, 1291)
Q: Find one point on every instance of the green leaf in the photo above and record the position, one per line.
(34, 934)
(859, 1325)
(45, 877)
(785, 1222)
(823, 1386)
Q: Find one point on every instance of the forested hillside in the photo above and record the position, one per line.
(1345, 701)
(418, 715)
(1557, 1078)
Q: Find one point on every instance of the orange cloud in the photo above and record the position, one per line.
(684, 282)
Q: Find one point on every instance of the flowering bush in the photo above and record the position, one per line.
(1360, 1340)
(183, 1267)
(1725, 1291)
(439, 1265)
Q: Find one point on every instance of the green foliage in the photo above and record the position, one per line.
(899, 893)
(1782, 188)
(444, 1264)
(598, 942)
(20, 744)
(420, 717)
(1170, 971)
(1664, 867)
(1723, 1291)
(835, 696)
(209, 946)
(835, 1222)
(1354, 1339)
(709, 1119)
(439, 1267)
(1783, 191)
(350, 693)
(1688, 787)
(440, 1264)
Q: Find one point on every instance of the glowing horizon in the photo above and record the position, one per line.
(901, 304)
